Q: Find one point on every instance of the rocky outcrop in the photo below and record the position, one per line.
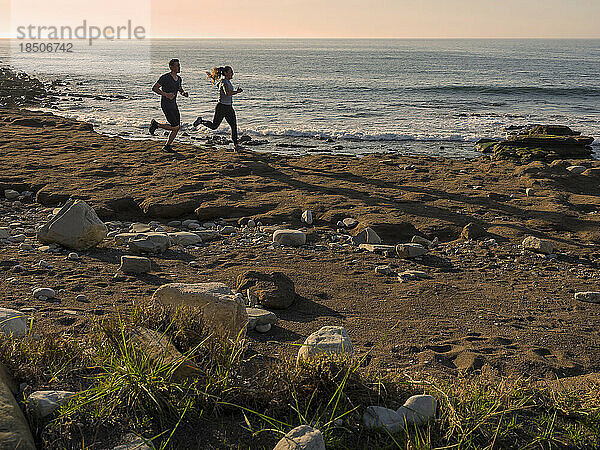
(538, 142)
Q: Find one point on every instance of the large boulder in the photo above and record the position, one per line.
(272, 290)
(328, 340)
(302, 438)
(223, 312)
(14, 429)
(75, 226)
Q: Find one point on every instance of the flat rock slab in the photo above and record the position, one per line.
(328, 340)
(135, 264)
(407, 251)
(185, 238)
(292, 238)
(222, 311)
(377, 248)
(259, 316)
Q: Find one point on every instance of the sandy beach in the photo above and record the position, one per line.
(487, 305)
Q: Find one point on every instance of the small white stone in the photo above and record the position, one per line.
(307, 217)
(44, 292)
(81, 298)
(73, 256)
(11, 194)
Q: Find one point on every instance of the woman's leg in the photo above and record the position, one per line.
(219, 115)
(232, 121)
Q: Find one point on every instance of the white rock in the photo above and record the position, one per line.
(576, 170)
(418, 410)
(259, 316)
(11, 194)
(222, 311)
(76, 226)
(408, 275)
(410, 250)
(185, 238)
(135, 264)
(328, 340)
(81, 298)
(293, 238)
(139, 228)
(589, 297)
(44, 292)
(73, 256)
(150, 242)
(538, 245)
(251, 224)
(307, 217)
(43, 403)
(12, 323)
(302, 438)
(530, 192)
(380, 417)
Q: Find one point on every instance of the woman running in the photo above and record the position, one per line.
(224, 109)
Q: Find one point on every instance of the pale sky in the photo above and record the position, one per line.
(337, 18)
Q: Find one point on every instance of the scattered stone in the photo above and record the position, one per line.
(384, 270)
(410, 250)
(530, 192)
(380, 417)
(44, 292)
(538, 245)
(73, 256)
(81, 298)
(139, 228)
(293, 238)
(376, 248)
(302, 438)
(25, 247)
(366, 236)
(251, 224)
(227, 230)
(150, 243)
(208, 235)
(307, 217)
(12, 323)
(43, 403)
(589, 297)
(259, 316)
(135, 264)
(422, 241)
(222, 311)
(472, 231)
(16, 239)
(174, 223)
(4, 232)
(418, 410)
(328, 340)
(409, 275)
(185, 238)
(349, 222)
(11, 194)
(159, 349)
(576, 170)
(45, 265)
(272, 290)
(75, 226)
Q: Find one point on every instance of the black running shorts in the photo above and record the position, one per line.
(171, 113)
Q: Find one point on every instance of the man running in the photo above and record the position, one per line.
(167, 87)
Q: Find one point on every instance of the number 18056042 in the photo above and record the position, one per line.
(46, 47)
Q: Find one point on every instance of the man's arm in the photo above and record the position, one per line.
(182, 92)
(157, 88)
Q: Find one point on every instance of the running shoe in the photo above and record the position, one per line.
(153, 126)
(167, 148)
(198, 121)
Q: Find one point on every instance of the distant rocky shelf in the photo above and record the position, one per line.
(538, 143)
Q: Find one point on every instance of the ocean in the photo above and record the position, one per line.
(433, 97)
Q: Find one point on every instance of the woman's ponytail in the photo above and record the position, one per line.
(215, 74)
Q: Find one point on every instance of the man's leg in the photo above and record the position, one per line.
(173, 133)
